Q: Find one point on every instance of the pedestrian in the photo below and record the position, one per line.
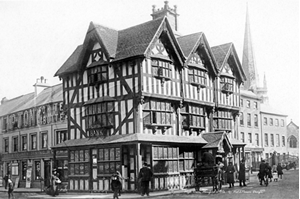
(55, 181)
(10, 186)
(279, 170)
(261, 174)
(116, 185)
(230, 174)
(5, 178)
(220, 174)
(242, 173)
(268, 171)
(145, 175)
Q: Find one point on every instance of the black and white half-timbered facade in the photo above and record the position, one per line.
(144, 95)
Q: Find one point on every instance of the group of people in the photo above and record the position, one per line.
(266, 172)
(230, 170)
(144, 178)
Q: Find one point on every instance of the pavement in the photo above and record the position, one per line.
(36, 193)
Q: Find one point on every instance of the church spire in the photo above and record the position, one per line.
(265, 81)
(248, 62)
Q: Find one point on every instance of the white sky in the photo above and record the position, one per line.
(37, 37)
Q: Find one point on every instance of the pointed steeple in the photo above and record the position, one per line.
(265, 81)
(248, 62)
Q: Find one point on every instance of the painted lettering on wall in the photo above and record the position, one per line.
(42, 115)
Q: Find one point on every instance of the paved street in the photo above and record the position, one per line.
(288, 188)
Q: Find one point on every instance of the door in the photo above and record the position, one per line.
(47, 172)
(129, 166)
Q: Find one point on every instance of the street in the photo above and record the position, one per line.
(287, 188)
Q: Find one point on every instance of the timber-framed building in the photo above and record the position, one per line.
(145, 94)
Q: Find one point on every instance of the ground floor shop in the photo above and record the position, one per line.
(253, 157)
(28, 169)
(88, 164)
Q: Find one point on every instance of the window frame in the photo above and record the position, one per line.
(43, 133)
(22, 143)
(272, 140)
(15, 144)
(250, 138)
(266, 139)
(257, 139)
(242, 119)
(255, 120)
(6, 145)
(243, 137)
(58, 136)
(31, 141)
(248, 119)
(248, 104)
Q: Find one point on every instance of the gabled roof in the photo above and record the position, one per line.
(190, 43)
(214, 139)
(223, 53)
(118, 45)
(48, 95)
(292, 123)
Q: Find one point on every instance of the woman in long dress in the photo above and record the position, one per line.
(230, 174)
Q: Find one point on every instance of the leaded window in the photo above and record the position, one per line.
(157, 112)
(193, 116)
(79, 162)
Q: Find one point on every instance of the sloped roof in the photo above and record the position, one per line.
(14, 104)
(130, 138)
(48, 95)
(135, 40)
(189, 43)
(214, 138)
(222, 53)
(72, 63)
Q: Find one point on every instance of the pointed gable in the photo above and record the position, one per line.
(97, 37)
(190, 44)
(226, 57)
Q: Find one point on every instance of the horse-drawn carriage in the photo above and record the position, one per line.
(208, 173)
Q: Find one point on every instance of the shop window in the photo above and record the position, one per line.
(186, 161)
(61, 136)
(79, 162)
(37, 170)
(33, 141)
(109, 160)
(44, 137)
(6, 145)
(14, 168)
(165, 160)
(15, 144)
(99, 118)
(24, 142)
(62, 169)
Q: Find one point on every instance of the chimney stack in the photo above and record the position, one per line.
(40, 85)
(170, 13)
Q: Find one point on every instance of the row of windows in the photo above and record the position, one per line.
(24, 145)
(249, 122)
(248, 104)
(272, 143)
(271, 123)
(250, 139)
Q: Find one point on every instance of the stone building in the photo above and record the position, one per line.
(30, 125)
(147, 94)
(293, 139)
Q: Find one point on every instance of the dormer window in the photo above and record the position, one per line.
(98, 75)
(161, 69)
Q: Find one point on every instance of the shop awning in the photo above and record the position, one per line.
(236, 142)
(137, 137)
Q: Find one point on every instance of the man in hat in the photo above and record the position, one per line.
(230, 174)
(145, 176)
(242, 176)
(261, 174)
